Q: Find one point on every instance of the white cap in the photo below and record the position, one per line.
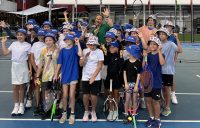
(93, 40)
(152, 16)
(113, 30)
(165, 30)
(154, 39)
(168, 23)
(134, 30)
(68, 26)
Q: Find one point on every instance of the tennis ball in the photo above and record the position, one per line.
(129, 118)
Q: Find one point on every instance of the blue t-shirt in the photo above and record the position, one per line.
(78, 33)
(172, 38)
(69, 60)
(156, 69)
(169, 50)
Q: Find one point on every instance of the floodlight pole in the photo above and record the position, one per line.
(50, 6)
(144, 17)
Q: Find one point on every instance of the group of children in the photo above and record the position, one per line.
(72, 54)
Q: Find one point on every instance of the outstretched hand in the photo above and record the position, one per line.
(106, 12)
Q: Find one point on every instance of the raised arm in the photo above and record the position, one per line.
(106, 14)
(5, 50)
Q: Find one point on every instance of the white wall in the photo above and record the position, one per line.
(8, 6)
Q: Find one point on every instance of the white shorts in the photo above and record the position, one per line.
(20, 73)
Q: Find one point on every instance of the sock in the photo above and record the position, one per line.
(21, 104)
(157, 119)
(16, 104)
(173, 93)
(64, 112)
(142, 99)
(152, 117)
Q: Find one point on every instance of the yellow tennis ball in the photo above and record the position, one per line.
(130, 118)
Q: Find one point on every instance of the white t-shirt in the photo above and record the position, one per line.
(36, 50)
(92, 61)
(20, 51)
(61, 42)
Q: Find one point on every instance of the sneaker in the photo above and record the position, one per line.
(36, 112)
(166, 112)
(21, 110)
(94, 116)
(29, 104)
(143, 104)
(174, 99)
(149, 123)
(86, 116)
(72, 119)
(115, 115)
(110, 115)
(156, 124)
(63, 118)
(15, 110)
(125, 120)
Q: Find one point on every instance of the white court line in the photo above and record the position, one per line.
(192, 94)
(100, 120)
(198, 76)
(6, 91)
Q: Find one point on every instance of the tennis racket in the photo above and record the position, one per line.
(110, 107)
(137, 8)
(55, 89)
(146, 78)
(132, 111)
(26, 94)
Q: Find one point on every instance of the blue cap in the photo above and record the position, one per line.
(110, 34)
(21, 30)
(31, 21)
(117, 27)
(127, 26)
(69, 37)
(47, 23)
(73, 23)
(85, 23)
(54, 31)
(130, 39)
(115, 44)
(49, 34)
(41, 32)
(36, 28)
(134, 51)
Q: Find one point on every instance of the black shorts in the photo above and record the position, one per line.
(115, 83)
(167, 80)
(91, 89)
(47, 85)
(154, 94)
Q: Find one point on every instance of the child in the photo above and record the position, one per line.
(154, 60)
(92, 62)
(149, 29)
(47, 64)
(47, 25)
(143, 46)
(66, 29)
(114, 62)
(173, 38)
(132, 69)
(168, 69)
(20, 70)
(68, 62)
(35, 56)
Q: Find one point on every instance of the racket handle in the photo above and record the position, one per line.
(145, 58)
(110, 85)
(134, 122)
